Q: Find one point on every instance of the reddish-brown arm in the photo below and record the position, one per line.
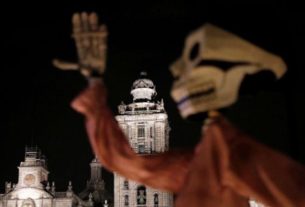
(165, 171)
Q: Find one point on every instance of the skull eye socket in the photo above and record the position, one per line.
(223, 65)
(194, 51)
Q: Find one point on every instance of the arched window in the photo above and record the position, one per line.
(141, 195)
(156, 200)
(126, 185)
(126, 201)
(28, 203)
(141, 149)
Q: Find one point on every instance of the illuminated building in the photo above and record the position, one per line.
(34, 190)
(145, 124)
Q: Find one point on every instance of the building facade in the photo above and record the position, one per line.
(145, 124)
(34, 190)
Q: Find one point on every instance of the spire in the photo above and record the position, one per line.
(96, 170)
(69, 192)
(90, 200)
(70, 186)
(143, 74)
(95, 186)
(53, 188)
(8, 187)
(48, 186)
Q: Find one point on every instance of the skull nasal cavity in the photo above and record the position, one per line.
(194, 51)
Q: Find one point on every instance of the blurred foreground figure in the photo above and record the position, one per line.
(227, 168)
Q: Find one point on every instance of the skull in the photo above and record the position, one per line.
(202, 85)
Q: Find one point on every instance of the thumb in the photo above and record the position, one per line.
(63, 65)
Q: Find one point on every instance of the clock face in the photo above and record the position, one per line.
(29, 179)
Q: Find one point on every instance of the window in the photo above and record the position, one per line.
(151, 132)
(126, 200)
(141, 149)
(141, 131)
(28, 203)
(125, 185)
(156, 200)
(141, 195)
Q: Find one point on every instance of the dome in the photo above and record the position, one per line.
(143, 89)
(143, 83)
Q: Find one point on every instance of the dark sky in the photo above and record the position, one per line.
(146, 36)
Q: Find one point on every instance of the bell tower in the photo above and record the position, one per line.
(33, 171)
(95, 189)
(96, 170)
(145, 124)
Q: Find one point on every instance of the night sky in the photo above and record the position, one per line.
(145, 36)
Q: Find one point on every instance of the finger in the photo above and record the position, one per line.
(85, 39)
(76, 22)
(77, 34)
(93, 21)
(84, 22)
(102, 43)
(63, 65)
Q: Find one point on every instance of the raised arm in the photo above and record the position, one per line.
(165, 171)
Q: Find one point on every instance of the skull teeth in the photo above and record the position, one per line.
(197, 101)
(205, 94)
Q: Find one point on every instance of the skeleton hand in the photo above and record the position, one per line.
(90, 39)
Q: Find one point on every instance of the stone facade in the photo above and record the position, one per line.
(145, 124)
(34, 190)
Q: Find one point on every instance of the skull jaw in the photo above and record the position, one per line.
(202, 104)
(207, 88)
(202, 90)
